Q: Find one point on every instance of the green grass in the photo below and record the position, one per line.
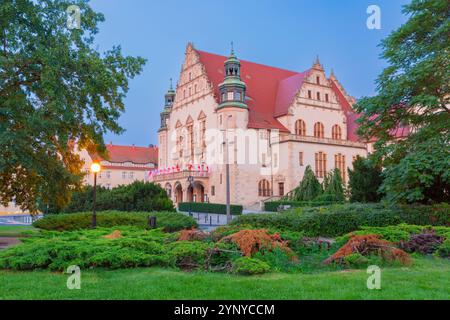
(428, 278)
(15, 231)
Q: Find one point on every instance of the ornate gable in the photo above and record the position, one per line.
(193, 83)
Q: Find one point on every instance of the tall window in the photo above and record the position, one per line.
(339, 163)
(318, 130)
(180, 146)
(300, 128)
(264, 188)
(318, 80)
(309, 94)
(263, 159)
(203, 135)
(336, 132)
(318, 95)
(326, 97)
(300, 158)
(124, 175)
(191, 140)
(321, 164)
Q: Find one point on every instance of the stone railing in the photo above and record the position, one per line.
(179, 175)
(311, 139)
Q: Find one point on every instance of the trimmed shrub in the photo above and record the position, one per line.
(340, 219)
(250, 266)
(168, 221)
(272, 206)
(203, 207)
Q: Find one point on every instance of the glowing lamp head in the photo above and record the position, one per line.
(95, 167)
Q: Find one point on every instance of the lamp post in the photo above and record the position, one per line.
(95, 168)
(191, 186)
(227, 173)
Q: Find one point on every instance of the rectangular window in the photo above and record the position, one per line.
(318, 80)
(300, 158)
(309, 94)
(263, 159)
(124, 175)
(320, 164)
(131, 175)
(220, 178)
(318, 95)
(213, 190)
(326, 97)
(108, 174)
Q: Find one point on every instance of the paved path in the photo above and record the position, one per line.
(7, 242)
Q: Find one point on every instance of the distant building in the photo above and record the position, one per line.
(125, 165)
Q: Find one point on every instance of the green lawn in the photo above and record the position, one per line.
(15, 231)
(428, 278)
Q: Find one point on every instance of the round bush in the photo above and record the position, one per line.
(250, 266)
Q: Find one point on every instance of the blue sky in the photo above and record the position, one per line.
(286, 34)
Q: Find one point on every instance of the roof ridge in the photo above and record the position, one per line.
(247, 61)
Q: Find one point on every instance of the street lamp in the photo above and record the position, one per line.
(227, 173)
(191, 186)
(95, 168)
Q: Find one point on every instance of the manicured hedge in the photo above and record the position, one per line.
(340, 219)
(203, 207)
(272, 206)
(169, 221)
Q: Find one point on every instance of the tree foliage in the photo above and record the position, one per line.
(333, 187)
(137, 196)
(55, 88)
(414, 93)
(364, 181)
(309, 187)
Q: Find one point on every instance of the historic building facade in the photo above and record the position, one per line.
(125, 164)
(267, 123)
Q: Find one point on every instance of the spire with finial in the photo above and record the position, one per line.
(232, 89)
(317, 64)
(332, 73)
(171, 85)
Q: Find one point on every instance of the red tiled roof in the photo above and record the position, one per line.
(138, 155)
(270, 91)
(287, 89)
(262, 87)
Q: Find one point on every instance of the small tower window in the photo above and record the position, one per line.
(230, 95)
(237, 96)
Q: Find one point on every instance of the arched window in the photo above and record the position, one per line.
(339, 163)
(300, 128)
(336, 132)
(321, 164)
(318, 130)
(264, 188)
